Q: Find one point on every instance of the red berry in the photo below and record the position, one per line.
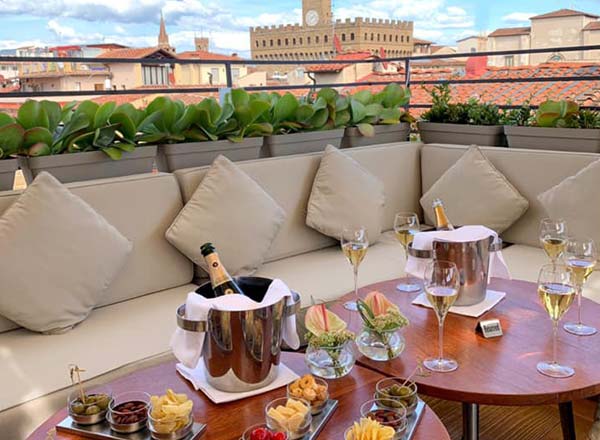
(260, 434)
(280, 436)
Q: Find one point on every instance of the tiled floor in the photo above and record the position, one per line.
(516, 423)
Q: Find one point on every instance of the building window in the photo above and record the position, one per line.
(396, 38)
(287, 42)
(317, 39)
(271, 43)
(300, 40)
(264, 43)
(407, 38)
(366, 36)
(352, 36)
(378, 37)
(473, 50)
(294, 41)
(155, 75)
(343, 37)
(256, 43)
(384, 37)
(308, 40)
(326, 38)
(279, 42)
(372, 36)
(509, 60)
(402, 38)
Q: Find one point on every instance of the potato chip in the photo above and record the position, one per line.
(170, 412)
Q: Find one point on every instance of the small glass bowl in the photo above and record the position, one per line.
(394, 417)
(248, 432)
(160, 430)
(94, 409)
(409, 399)
(128, 412)
(316, 406)
(302, 428)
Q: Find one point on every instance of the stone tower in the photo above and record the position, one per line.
(316, 12)
(201, 43)
(163, 37)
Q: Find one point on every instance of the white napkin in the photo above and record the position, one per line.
(424, 241)
(187, 346)
(492, 297)
(198, 379)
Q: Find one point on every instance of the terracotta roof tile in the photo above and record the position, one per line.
(563, 13)
(204, 55)
(341, 57)
(419, 41)
(507, 32)
(592, 26)
(142, 52)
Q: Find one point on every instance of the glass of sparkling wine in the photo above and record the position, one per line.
(553, 236)
(442, 282)
(581, 257)
(354, 243)
(556, 289)
(406, 225)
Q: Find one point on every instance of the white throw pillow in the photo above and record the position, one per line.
(474, 192)
(577, 200)
(345, 194)
(232, 211)
(58, 256)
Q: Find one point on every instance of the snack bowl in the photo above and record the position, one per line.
(308, 388)
(128, 412)
(94, 407)
(289, 419)
(382, 411)
(275, 435)
(173, 429)
(392, 388)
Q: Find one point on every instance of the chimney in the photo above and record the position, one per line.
(201, 43)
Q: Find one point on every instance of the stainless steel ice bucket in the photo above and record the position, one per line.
(473, 261)
(241, 349)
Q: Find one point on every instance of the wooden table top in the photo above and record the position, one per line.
(498, 371)
(228, 421)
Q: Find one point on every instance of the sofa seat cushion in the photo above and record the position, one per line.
(33, 365)
(524, 263)
(326, 275)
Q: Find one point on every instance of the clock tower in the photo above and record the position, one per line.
(316, 12)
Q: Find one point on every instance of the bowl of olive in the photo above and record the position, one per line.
(398, 392)
(89, 407)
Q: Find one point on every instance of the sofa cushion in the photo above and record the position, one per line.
(474, 192)
(33, 365)
(233, 212)
(325, 275)
(530, 171)
(59, 257)
(525, 262)
(345, 194)
(576, 200)
(289, 181)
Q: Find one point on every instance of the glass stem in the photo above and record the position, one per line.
(356, 282)
(554, 341)
(441, 339)
(579, 294)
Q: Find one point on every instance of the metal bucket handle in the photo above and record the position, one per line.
(428, 254)
(201, 326)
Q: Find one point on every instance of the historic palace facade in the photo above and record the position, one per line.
(320, 37)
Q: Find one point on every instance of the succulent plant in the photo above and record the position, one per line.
(557, 114)
(248, 112)
(11, 136)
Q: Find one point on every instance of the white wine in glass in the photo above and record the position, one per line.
(406, 226)
(556, 291)
(553, 237)
(442, 283)
(354, 242)
(581, 257)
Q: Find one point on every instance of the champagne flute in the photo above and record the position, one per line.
(556, 290)
(553, 236)
(354, 242)
(442, 282)
(581, 257)
(406, 225)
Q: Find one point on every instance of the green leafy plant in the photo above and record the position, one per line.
(557, 114)
(248, 112)
(168, 121)
(589, 119)
(522, 116)
(473, 112)
(11, 136)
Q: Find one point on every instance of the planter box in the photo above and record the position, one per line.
(384, 134)
(563, 139)
(173, 157)
(7, 173)
(463, 134)
(299, 143)
(76, 167)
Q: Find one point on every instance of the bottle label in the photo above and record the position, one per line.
(218, 275)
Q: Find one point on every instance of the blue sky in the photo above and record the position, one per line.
(226, 22)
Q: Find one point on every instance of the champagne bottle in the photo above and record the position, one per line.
(441, 220)
(222, 282)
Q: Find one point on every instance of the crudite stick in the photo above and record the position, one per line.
(74, 370)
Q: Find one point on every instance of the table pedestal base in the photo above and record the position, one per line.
(470, 421)
(567, 420)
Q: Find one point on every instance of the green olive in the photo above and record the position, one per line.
(102, 400)
(77, 408)
(92, 409)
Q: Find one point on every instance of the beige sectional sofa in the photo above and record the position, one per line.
(136, 318)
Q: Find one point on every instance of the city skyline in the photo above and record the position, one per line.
(127, 22)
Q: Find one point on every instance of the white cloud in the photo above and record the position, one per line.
(518, 17)
(59, 30)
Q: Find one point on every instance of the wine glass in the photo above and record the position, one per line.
(553, 236)
(556, 290)
(406, 225)
(581, 257)
(354, 242)
(442, 282)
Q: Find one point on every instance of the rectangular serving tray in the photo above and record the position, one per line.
(102, 431)
(319, 421)
(413, 421)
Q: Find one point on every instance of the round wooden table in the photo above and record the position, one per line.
(498, 371)
(229, 420)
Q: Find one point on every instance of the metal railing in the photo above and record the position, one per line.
(408, 66)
